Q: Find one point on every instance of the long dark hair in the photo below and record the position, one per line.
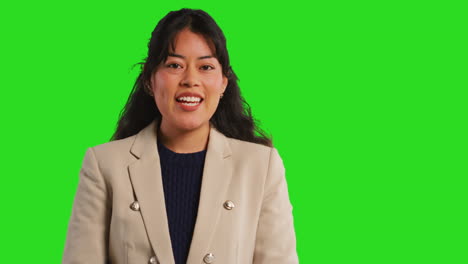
(233, 116)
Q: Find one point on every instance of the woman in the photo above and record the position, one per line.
(188, 178)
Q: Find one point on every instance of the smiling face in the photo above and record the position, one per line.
(188, 85)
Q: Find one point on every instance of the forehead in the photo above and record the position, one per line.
(189, 42)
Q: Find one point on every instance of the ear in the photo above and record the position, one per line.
(224, 84)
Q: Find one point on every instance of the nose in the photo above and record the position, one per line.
(190, 78)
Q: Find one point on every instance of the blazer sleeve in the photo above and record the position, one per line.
(88, 228)
(275, 240)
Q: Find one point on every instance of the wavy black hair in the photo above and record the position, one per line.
(233, 116)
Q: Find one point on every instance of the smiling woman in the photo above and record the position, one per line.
(188, 176)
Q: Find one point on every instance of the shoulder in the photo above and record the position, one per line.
(253, 153)
(241, 146)
(115, 146)
(113, 153)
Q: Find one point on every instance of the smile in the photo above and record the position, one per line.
(189, 103)
(189, 100)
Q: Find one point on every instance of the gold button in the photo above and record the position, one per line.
(152, 260)
(229, 205)
(135, 206)
(209, 258)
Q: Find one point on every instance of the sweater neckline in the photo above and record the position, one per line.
(167, 151)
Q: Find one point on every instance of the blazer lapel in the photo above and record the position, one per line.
(145, 175)
(217, 175)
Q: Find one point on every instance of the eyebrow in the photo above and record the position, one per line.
(183, 57)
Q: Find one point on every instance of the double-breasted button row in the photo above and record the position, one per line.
(229, 205)
(135, 206)
(209, 258)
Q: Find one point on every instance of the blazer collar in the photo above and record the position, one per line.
(145, 176)
(143, 144)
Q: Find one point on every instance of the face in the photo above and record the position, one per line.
(188, 85)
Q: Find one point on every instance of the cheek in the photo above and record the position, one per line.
(162, 91)
(215, 88)
(215, 85)
(163, 86)
(215, 93)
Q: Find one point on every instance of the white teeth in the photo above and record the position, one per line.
(190, 104)
(190, 99)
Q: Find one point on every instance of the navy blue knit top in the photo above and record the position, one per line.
(182, 177)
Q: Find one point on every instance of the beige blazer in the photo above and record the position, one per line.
(106, 228)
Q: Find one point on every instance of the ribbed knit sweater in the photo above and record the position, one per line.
(182, 177)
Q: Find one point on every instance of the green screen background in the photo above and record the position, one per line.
(366, 102)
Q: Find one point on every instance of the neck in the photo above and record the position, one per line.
(184, 141)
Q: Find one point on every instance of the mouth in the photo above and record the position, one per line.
(189, 101)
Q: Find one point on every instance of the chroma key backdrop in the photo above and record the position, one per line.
(365, 100)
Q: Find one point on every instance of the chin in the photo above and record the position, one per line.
(191, 125)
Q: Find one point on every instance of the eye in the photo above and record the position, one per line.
(173, 66)
(207, 67)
